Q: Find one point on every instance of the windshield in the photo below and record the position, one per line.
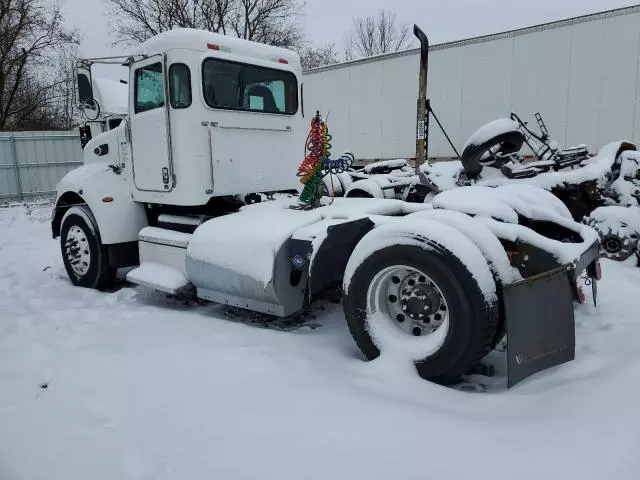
(238, 86)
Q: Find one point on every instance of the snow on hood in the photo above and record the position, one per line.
(111, 95)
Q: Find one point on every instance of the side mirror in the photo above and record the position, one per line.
(84, 88)
(90, 109)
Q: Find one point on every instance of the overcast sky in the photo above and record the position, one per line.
(329, 20)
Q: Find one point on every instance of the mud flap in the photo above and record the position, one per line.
(540, 324)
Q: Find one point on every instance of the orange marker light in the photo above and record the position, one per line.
(107, 199)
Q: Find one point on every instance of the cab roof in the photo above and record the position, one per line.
(203, 40)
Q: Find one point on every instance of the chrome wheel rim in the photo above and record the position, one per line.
(77, 250)
(409, 300)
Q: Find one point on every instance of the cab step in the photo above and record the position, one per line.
(162, 260)
(158, 277)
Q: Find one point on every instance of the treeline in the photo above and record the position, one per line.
(37, 50)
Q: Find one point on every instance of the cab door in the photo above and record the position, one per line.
(149, 123)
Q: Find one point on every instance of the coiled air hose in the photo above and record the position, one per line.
(318, 163)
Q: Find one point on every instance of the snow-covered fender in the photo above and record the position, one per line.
(427, 233)
(482, 237)
(107, 195)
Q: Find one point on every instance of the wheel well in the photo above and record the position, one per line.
(359, 193)
(63, 203)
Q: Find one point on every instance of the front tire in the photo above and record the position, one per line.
(83, 254)
(438, 306)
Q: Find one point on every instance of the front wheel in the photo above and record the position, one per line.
(83, 254)
(423, 303)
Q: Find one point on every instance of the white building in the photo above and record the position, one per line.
(582, 74)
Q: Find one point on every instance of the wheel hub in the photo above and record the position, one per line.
(612, 245)
(77, 250)
(411, 300)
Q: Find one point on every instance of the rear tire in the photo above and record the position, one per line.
(474, 155)
(618, 236)
(83, 254)
(471, 322)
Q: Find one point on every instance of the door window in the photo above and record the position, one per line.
(179, 85)
(149, 88)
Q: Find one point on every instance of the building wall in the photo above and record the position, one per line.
(32, 163)
(582, 74)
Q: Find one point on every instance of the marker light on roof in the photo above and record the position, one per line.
(212, 46)
(282, 60)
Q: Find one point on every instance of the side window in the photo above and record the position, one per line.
(84, 88)
(179, 85)
(149, 88)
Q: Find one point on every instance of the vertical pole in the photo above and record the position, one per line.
(422, 133)
(16, 166)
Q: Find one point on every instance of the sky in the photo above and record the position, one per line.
(328, 21)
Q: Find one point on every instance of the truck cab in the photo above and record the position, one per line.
(207, 116)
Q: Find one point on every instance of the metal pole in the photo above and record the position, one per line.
(431, 112)
(16, 166)
(422, 118)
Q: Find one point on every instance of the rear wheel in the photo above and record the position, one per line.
(424, 302)
(616, 227)
(83, 254)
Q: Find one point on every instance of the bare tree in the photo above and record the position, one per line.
(66, 114)
(376, 35)
(266, 21)
(30, 35)
(312, 57)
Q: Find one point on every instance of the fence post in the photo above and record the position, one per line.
(16, 166)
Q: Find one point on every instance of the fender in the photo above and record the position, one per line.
(428, 233)
(119, 220)
(482, 237)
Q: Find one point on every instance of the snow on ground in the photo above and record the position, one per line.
(142, 386)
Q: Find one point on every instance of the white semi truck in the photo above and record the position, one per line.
(192, 191)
